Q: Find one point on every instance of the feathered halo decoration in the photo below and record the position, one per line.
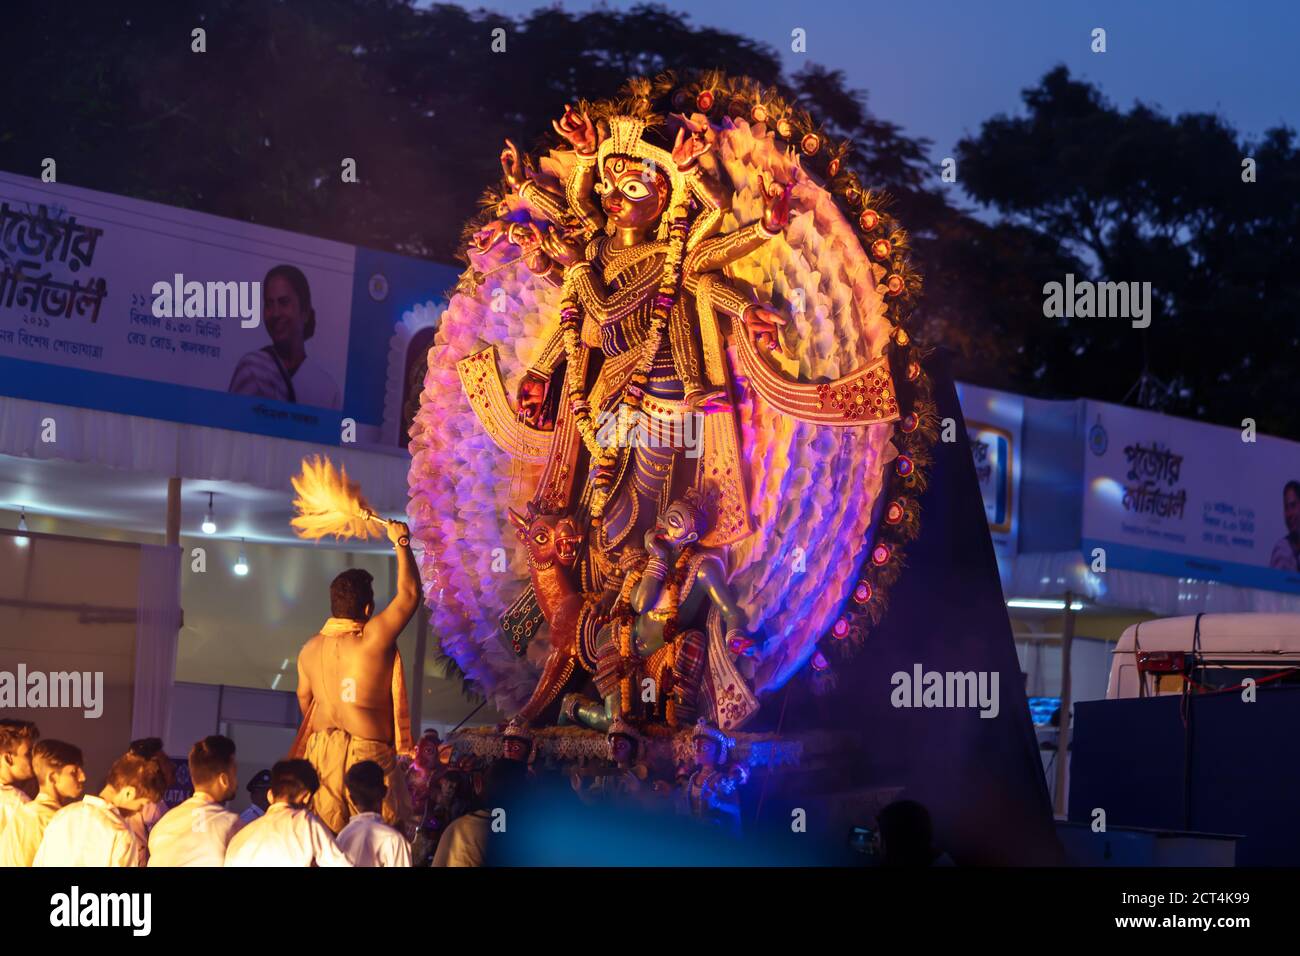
(328, 503)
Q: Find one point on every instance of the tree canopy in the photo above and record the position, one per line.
(256, 128)
(1137, 196)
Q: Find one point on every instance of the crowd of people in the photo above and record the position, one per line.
(47, 818)
(347, 794)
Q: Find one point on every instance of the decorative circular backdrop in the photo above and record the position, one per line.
(833, 506)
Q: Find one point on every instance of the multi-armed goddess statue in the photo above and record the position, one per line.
(718, 423)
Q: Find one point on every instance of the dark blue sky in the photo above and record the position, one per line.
(939, 68)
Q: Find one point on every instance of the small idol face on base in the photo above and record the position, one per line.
(620, 748)
(512, 748)
(706, 752)
(547, 537)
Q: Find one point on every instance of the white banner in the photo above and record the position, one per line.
(1186, 499)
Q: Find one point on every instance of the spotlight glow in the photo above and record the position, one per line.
(1043, 604)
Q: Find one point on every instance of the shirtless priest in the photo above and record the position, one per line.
(351, 690)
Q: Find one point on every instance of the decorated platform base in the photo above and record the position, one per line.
(819, 758)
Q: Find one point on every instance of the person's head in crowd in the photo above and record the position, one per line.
(1291, 508)
(212, 768)
(503, 782)
(287, 310)
(456, 793)
(294, 782)
(17, 737)
(60, 771)
(366, 787)
(134, 782)
(259, 789)
(906, 834)
(151, 748)
(352, 595)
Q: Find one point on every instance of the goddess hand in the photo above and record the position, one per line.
(776, 204)
(707, 402)
(688, 149)
(765, 325)
(560, 249)
(512, 166)
(489, 235)
(577, 130)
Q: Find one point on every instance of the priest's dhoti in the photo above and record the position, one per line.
(332, 752)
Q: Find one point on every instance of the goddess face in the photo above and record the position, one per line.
(633, 193)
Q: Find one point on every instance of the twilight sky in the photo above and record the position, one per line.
(941, 67)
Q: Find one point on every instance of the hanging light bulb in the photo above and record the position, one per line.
(210, 521)
(22, 540)
(241, 566)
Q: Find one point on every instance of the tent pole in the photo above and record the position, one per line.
(1063, 738)
(173, 512)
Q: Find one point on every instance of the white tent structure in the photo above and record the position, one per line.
(1150, 649)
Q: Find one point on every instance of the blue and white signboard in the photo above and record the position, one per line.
(1184, 499)
(994, 422)
(134, 307)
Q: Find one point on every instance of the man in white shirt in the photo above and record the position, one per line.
(466, 840)
(367, 840)
(58, 767)
(289, 834)
(93, 831)
(259, 788)
(17, 737)
(196, 831)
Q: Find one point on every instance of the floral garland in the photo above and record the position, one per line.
(604, 455)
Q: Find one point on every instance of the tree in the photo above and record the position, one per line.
(257, 127)
(1137, 196)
